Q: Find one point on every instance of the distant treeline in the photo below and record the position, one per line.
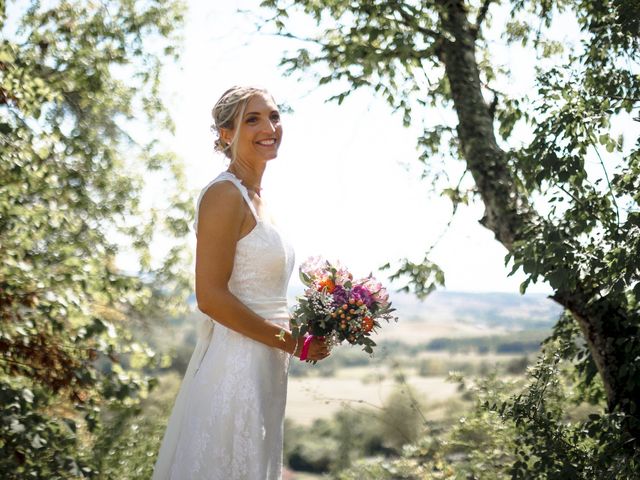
(527, 341)
(517, 342)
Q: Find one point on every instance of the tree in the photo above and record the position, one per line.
(77, 79)
(574, 226)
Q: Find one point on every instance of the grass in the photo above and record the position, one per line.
(315, 396)
(318, 397)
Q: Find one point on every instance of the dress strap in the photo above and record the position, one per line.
(236, 181)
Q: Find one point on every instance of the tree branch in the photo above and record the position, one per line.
(613, 197)
(445, 230)
(410, 19)
(482, 14)
(295, 37)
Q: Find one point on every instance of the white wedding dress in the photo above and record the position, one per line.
(227, 420)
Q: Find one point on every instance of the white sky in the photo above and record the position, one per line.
(346, 183)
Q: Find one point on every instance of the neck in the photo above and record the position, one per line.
(250, 176)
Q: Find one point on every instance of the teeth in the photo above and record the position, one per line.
(271, 141)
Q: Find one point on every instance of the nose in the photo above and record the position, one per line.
(271, 125)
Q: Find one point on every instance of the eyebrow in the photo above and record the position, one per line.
(259, 113)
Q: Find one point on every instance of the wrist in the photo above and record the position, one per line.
(289, 344)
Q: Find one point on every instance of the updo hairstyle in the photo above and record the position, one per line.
(228, 108)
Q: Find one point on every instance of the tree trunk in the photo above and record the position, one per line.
(607, 330)
(508, 214)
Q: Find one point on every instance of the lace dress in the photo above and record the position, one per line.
(227, 420)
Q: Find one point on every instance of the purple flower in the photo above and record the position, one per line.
(360, 293)
(340, 296)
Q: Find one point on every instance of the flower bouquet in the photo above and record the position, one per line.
(336, 307)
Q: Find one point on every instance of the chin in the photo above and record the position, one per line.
(271, 157)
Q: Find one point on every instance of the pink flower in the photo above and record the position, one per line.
(342, 275)
(314, 268)
(378, 292)
(382, 297)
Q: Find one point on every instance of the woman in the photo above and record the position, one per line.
(227, 421)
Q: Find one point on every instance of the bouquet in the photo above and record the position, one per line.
(336, 307)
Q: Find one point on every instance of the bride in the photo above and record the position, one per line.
(227, 420)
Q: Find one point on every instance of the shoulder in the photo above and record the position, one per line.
(221, 191)
(223, 200)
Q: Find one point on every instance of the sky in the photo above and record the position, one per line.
(346, 183)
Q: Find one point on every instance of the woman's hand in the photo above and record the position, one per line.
(318, 349)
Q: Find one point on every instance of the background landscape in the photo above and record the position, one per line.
(417, 360)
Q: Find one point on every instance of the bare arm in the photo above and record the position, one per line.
(221, 221)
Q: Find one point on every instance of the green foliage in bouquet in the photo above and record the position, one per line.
(76, 77)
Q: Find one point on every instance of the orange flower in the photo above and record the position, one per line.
(328, 284)
(367, 324)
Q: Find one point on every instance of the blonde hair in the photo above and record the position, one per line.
(228, 108)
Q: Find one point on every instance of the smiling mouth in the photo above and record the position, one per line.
(269, 142)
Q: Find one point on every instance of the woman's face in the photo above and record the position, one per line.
(260, 131)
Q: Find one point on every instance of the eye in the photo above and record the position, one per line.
(252, 119)
(275, 117)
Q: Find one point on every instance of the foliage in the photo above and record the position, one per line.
(75, 78)
(34, 443)
(477, 445)
(516, 430)
(402, 418)
(424, 277)
(392, 48)
(126, 447)
(310, 450)
(333, 445)
(547, 443)
(554, 166)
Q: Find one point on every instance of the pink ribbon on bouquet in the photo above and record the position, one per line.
(305, 347)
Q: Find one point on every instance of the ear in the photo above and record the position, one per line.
(226, 135)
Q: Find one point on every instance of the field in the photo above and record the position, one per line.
(311, 398)
(443, 315)
(415, 332)
(314, 397)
